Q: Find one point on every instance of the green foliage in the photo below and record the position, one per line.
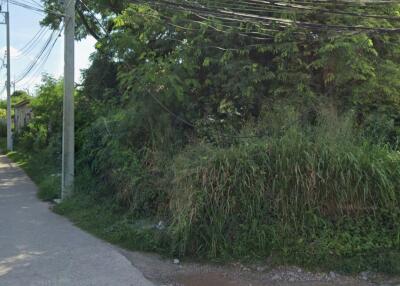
(244, 147)
(48, 105)
(43, 170)
(306, 196)
(44, 131)
(134, 177)
(321, 197)
(19, 95)
(106, 219)
(40, 140)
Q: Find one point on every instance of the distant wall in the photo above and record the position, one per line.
(3, 127)
(23, 114)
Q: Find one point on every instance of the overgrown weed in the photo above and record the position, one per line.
(318, 195)
(306, 194)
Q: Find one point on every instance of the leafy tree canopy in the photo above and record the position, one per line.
(222, 63)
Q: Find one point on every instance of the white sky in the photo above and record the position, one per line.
(24, 26)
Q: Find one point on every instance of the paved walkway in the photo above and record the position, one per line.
(40, 248)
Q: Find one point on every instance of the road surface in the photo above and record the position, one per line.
(40, 248)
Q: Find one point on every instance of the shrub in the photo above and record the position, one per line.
(382, 129)
(301, 194)
(50, 187)
(135, 176)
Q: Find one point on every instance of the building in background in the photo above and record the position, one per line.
(22, 114)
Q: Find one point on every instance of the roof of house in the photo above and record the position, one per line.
(22, 103)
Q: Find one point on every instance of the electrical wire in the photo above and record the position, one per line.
(31, 45)
(36, 9)
(205, 13)
(36, 3)
(242, 13)
(41, 58)
(260, 6)
(224, 13)
(45, 58)
(94, 16)
(37, 35)
(32, 65)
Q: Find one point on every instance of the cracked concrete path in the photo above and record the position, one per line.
(40, 248)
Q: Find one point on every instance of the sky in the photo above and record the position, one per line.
(24, 26)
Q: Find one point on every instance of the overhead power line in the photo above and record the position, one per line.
(224, 13)
(40, 9)
(42, 57)
(43, 61)
(257, 12)
(36, 59)
(36, 3)
(94, 16)
(264, 13)
(259, 6)
(33, 42)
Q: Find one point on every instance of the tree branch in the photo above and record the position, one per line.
(87, 25)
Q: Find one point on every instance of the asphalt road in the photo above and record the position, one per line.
(40, 248)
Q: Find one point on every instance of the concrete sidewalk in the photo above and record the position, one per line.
(40, 248)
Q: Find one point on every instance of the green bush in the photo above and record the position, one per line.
(102, 216)
(382, 129)
(308, 195)
(309, 188)
(135, 176)
(50, 187)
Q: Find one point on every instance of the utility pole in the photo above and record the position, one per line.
(68, 146)
(9, 123)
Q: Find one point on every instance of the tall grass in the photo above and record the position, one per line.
(285, 192)
(316, 194)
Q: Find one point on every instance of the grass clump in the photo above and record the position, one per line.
(92, 208)
(103, 217)
(318, 197)
(43, 170)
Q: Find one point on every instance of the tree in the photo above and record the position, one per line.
(92, 17)
(200, 65)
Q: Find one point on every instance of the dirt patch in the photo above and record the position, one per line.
(209, 279)
(164, 272)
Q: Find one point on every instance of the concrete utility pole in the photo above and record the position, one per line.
(68, 146)
(9, 123)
